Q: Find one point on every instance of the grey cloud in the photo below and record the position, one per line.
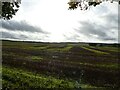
(101, 32)
(109, 38)
(96, 30)
(89, 29)
(8, 35)
(22, 36)
(112, 20)
(74, 37)
(20, 26)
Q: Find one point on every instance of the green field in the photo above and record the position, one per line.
(58, 65)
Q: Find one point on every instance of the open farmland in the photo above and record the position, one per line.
(59, 65)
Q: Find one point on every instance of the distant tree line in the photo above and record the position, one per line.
(104, 44)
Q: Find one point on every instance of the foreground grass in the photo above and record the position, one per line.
(17, 78)
(14, 78)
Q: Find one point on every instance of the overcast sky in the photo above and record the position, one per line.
(51, 21)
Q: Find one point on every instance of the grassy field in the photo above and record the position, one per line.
(58, 65)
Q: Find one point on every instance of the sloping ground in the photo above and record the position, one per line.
(106, 49)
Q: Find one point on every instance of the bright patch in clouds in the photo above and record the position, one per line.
(61, 24)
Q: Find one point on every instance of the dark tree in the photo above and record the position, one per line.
(9, 9)
(85, 4)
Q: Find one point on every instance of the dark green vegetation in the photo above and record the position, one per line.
(16, 78)
(9, 9)
(85, 4)
(59, 65)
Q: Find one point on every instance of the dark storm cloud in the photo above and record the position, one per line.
(20, 26)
